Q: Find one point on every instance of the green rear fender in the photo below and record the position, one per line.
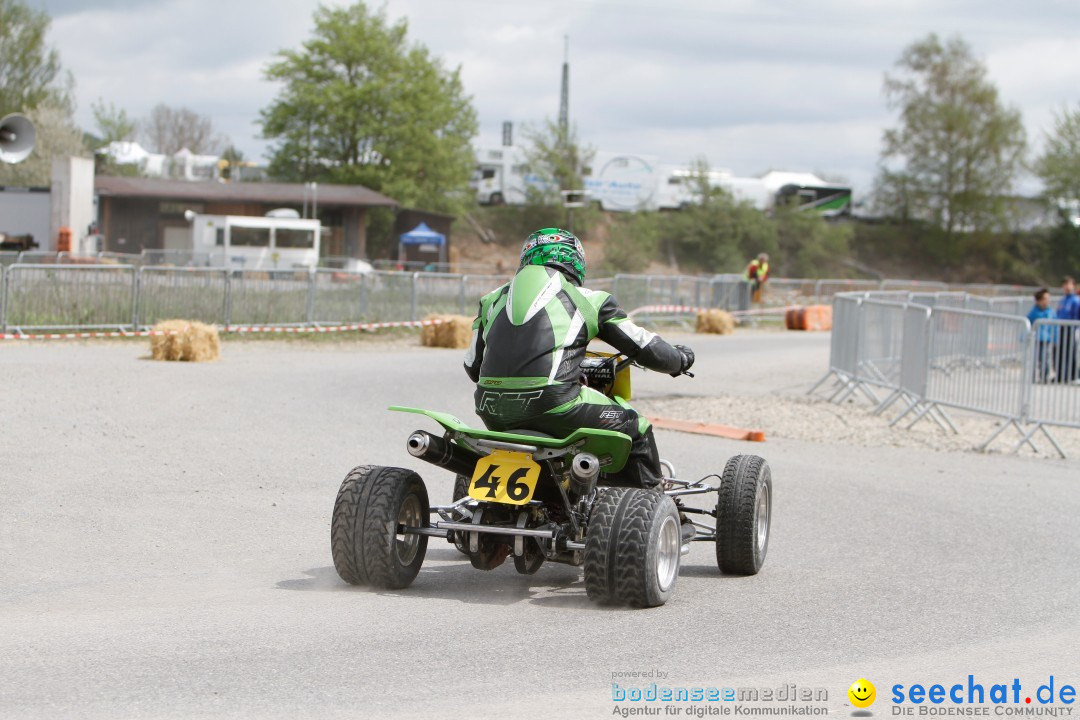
(611, 447)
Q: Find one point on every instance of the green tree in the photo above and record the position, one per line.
(958, 149)
(112, 123)
(633, 242)
(1059, 165)
(559, 161)
(556, 156)
(360, 104)
(716, 233)
(30, 72)
(808, 245)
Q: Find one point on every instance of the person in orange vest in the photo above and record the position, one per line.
(757, 272)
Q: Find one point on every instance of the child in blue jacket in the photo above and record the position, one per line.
(1067, 362)
(1046, 336)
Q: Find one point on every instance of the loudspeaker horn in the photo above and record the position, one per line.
(17, 136)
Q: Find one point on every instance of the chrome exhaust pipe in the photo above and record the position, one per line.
(442, 452)
(584, 470)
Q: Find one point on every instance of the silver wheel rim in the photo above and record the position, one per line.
(405, 546)
(761, 518)
(667, 554)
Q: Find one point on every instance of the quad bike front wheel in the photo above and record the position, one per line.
(743, 515)
(632, 548)
(372, 503)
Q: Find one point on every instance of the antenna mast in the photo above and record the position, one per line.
(564, 95)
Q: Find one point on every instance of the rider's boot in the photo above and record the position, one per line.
(686, 525)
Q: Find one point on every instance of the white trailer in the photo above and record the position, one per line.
(256, 243)
(623, 182)
(812, 194)
(614, 181)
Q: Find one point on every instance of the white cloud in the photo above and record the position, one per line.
(751, 85)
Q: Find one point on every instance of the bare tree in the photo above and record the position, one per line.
(169, 130)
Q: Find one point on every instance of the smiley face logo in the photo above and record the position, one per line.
(862, 693)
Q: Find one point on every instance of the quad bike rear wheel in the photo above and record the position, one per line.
(365, 541)
(632, 549)
(743, 515)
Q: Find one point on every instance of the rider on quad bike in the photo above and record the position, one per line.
(527, 485)
(529, 338)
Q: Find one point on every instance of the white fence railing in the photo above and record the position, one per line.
(932, 355)
(42, 297)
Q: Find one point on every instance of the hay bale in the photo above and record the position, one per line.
(454, 331)
(185, 340)
(716, 322)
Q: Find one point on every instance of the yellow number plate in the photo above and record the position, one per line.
(505, 477)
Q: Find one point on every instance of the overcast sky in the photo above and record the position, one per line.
(753, 86)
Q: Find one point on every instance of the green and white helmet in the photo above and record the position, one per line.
(555, 248)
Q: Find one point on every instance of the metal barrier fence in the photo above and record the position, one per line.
(51, 297)
(782, 292)
(844, 347)
(725, 292)
(824, 290)
(1054, 375)
(937, 357)
(880, 338)
(976, 362)
(68, 296)
(54, 297)
(180, 258)
(913, 285)
(192, 293)
(661, 289)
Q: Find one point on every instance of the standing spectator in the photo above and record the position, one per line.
(1068, 309)
(1046, 335)
(757, 272)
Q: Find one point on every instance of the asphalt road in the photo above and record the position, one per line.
(164, 551)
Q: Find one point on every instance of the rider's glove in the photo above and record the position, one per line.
(687, 359)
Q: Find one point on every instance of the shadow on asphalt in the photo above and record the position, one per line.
(553, 586)
(704, 571)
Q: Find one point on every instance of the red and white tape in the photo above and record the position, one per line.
(229, 329)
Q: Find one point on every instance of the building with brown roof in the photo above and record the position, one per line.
(137, 214)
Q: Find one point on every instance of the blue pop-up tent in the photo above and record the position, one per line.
(423, 235)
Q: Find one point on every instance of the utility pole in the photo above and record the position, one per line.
(564, 130)
(564, 95)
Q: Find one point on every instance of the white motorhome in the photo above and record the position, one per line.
(257, 243)
(502, 176)
(614, 181)
(676, 186)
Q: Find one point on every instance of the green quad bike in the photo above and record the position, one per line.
(538, 498)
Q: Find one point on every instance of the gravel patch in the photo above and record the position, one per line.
(815, 419)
